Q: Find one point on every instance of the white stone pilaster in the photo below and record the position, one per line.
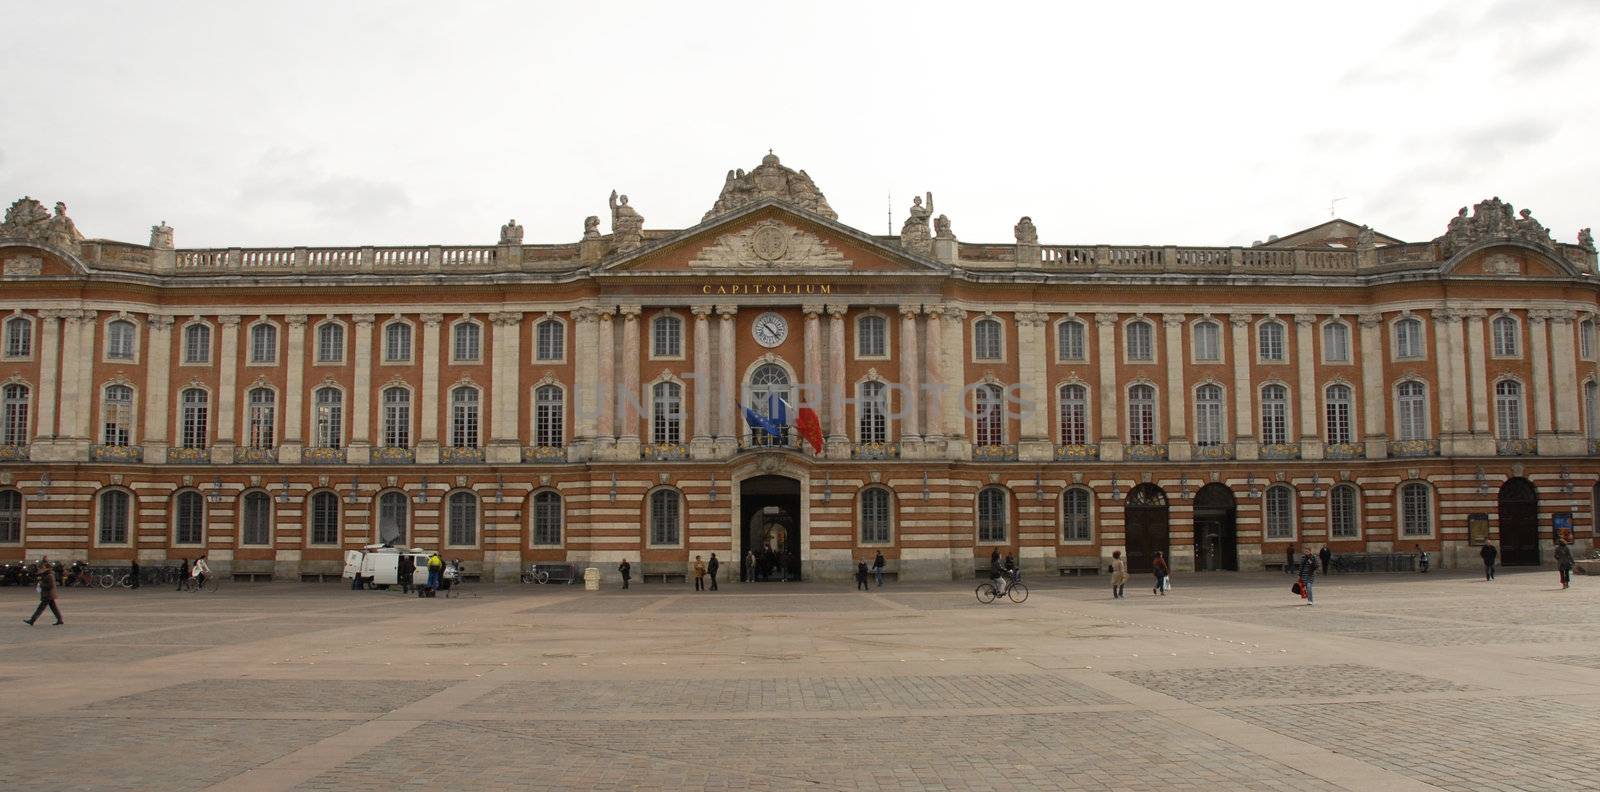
(727, 408)
(911, 379)
(934, 387)
(1564, 373)
(1539, 389)
(587, 397)
(1374, 390)
(1246, 443)
(606, 379)
(700, 446)
(1477, 367)
(505, 397)
(1177, 390)
(952, 373)
(838, 433)
(1110, 400)
(1312, 443)
(227, 391)
(360, 450)
(631, 397)
(158, 373)
(50, 375)
(1035, 443)
(428, 434)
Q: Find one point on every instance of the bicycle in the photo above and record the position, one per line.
(210, 584)
(1017, 592)
(533, 574)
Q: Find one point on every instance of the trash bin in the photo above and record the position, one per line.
(591, 579)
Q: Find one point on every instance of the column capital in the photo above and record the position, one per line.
(727, 312)
(1447, 315)
(909, 311)
(950, 313)
(701, 311)
(364, 319)
(1106, 319)
(630, 313)
(584, 314)
(811, 310)
(1537, 317)
(1370, 319)
(1305, 320)
(1240, 320)
(837, 310)
(506, 318)
(1174, 319)
(1472, 313)
(1031, 318)
(295, 320)
(432, 319)
(158, 322)
(228, 320)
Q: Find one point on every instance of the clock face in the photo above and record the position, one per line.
(770, 329)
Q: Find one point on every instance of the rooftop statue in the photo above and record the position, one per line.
(941, 228)
(1586, 239)
(591, 227)
(1492, 219)
(914, 235)
(1027, 234)
(161, 236)
(511, 233)
(627, 225)
(770, 180)
(28, 219)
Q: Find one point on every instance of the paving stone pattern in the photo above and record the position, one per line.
(1213, 684)
(282, 695)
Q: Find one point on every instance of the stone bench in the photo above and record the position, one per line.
(1078, 565)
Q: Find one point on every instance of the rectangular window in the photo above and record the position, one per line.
(467, 337)
(1342, 513)
(1336, 343)
(397, 343)
(668, 337)
(325, 519)
(551, 341)
(257, 520)
(875, 516)
(1075, 516)
(1070, 341)
(189, 524)
(874, 426)
(114, 518)
(1416, 517)
(10, 517)
(1280, 513)
(19, 337)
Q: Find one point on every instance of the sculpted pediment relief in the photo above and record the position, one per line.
(770, 244)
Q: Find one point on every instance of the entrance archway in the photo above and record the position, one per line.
(1216, 529)
(769, 528)
(1519, 523)
(1145, 521)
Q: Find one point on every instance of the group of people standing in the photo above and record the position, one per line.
(765, 565)
(877, 572)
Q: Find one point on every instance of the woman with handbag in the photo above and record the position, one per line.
(1119, 573)
(1308, 572)
(1158, 565)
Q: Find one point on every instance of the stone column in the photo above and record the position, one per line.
(953, 373)
(586, 397)
(1446, 365)
(158, 361)
(911, 380)
(812, 378)
(606, 381)
(630, 397)
(1035, 443)
(1478, 381)
(505, 444)
(1456, 348)
(227, 391)
(76, 414)
(838, 433)
(1312, 443)
(1246, 444)
(1178, 445)
(428, 434)
(727, 381)
(1110, 418)
(1374, 389)
(1564, 373)
(71, 354)
(1539, 389)
(934, 386)
(293, 397)
(50, 377)
(700, 447)
(360, 451)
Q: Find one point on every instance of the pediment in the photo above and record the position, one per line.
(1507, 259)
(770, 244)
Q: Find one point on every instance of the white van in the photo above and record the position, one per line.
(378, 565)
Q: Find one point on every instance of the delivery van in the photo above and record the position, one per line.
(379, 565)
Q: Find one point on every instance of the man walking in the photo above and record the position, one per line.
(749, 566)
(1564, 562)
(711, 568)
(47, 595)
(877, 568)
(183, 574)
(625, 570)
(1308, 572)
(133, 572)
(405, 569)
(1326, 556)
(1488, 554)
(861, 576)
(699, 570)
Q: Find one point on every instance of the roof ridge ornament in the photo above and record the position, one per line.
(1492, 219)
(28, 219)
(770, 180)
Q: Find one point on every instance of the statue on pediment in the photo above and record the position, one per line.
(591, 227)
(511, 233)
(1026, 233)
(1365, 239)
(770, 179)
(1492, 219)
(161, 236)
(914, 234)
(941, 228)
(1586, 239)
(28, 219)
(627, 225)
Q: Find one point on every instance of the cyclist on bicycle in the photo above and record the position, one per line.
(998, 574)
(199, 572)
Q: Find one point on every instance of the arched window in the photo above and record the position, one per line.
(993, 515)
(1336, 342)
(666, 413)
(876, 516)
(1408, 338)
(1075, 525)
(1274, 414)
(1344, 520)
(1503, 331)
(547, 518)
(330, 342)
(1416, 510)
(548, 416)
(19, 337)
(1142, 414)
(324, 518)
(197, 344)
(1269, 341)
(15, 430)
(195, 411)
(119, 339)
(1141, 342)
(666, 515)
(1586, 339)
(1074, 414)
(1207, 342)
(550, 341)
(1071, 341)
(263, 343)
(262, 418)
(10, 517)
(1280, 512)
(1591, 409)
(666, 337)
(1208, 415)
(872, 336)
(872, 412)
(463, 519)
(989, 419)
(188, 518)
(116, 416)
(329, 417)
(1338, 413)
(467, 342)
(1508, 410)
(988, 341)
(114, 517)
(393, 512)
(1411, 410)
(396, 342)
(255, 519)
(396, 417)
(768, 383)
(464, 417)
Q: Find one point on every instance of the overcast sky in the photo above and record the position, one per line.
(1215, 123)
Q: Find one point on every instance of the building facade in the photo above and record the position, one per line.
(585, 401)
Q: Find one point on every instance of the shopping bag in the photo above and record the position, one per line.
(1166, 583)
(1295, 588)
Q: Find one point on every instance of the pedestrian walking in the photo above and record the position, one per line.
(183, 574)
(47, 594)
(133, 572)
(711, 569)
(435, 572)
(1564, 562)
(625, 570)
(1119, 574)
(1489, 553)
(405, 569)
(699, 570)
(1308, 572)
(1422, 559)
(749, 572)
(1158, 565)
(1326, 556)
(861, 576)
(1288, 560)
(877, 568)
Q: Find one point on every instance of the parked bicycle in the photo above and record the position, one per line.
(534, 574)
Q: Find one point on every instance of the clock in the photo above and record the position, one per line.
(770, 329)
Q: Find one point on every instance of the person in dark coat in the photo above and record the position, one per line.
(861, 576)
(711, 569)
(877, 568)
(133, 572)
(626, 571)
(1489, 553)
(1564, 562)
(1326, 556)
(1158, 565)
(1288, 560)
(407, 567)
(183, 574)
(1308, 572)
(47, 595)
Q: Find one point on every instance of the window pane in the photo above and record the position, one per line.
(1071, 341)
(325, 518)
(1142, 415)
(989, 420)
(666, 413)
(257, 519)
(197, 344)
(1336, 343)
(466, 341)
(1416, 516)
(992, 515)
(1274, 414)
(551, 340)
(392, 514)
(114, 517)
(330, 343)
(463, 519)
(263, 344)
(1342, 512)
(397, 418)
(1075, 516)
(19, 337)
(667, 337)
(986, 339)
(195, 418)
(875, 516)
(189, 518)
(464, 418)
(1280, 513)
(397, 342)
(547, 518)
(116, 416)
(1141, 341)
(1074, 415)
(548, 417)
(664, 517)
(10, 517)
(1207, 341)
(1270, 337)
(871, 336)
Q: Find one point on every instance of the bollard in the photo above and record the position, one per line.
(591, 579)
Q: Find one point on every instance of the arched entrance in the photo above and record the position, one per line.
(1145, 521)
(1519, 523)
(769, 528)
(1216, 530)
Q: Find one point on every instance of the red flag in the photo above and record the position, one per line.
(810, 428)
